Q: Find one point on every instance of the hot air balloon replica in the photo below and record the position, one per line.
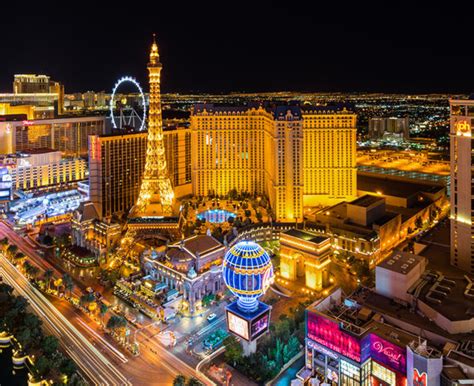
(248, 273)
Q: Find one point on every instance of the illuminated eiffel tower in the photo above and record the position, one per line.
(153, 215)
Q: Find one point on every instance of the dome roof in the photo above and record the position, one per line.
(248, 272)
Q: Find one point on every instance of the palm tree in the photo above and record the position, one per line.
(12, 249)
(68, 283)
(48, 274)
(103, 310)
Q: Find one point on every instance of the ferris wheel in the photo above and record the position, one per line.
(127, 115)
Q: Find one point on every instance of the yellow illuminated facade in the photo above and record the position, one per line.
(329, 154)
(9, 109)
(462, 187)
(117, 162)
(305, 255)
(43, 169)
(156, 193)
(297, 157)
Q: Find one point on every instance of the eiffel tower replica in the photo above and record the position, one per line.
(154, 214)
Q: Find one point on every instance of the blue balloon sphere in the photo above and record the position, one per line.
(248, 272)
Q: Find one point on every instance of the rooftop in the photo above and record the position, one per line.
(401, 262)
(43, 150)
(366, 201)
(201, 244)
(446, 295)
(391, 187)
(306, 236)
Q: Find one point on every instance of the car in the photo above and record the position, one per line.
(211, 317)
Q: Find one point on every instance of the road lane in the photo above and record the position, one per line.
(95, 366)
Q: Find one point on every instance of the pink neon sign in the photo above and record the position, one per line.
(327, 333)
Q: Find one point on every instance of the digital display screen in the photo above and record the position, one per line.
(327, 333)
(260, 325)
(238, 325)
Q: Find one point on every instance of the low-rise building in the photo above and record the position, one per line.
(191, 266)
(37, 169)
(388, 210)
(89, 232)
(304, 254)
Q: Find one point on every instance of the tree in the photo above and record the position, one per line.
(43, 365)
(48, 275)
(361, 267)
(103, 310)
(118, 324)
(67, 367)
(50, 344)
(4, 242)
(180, 380)
(233, 350)
(419, 222)
(12, 249)
(68, 283)
(193, 382)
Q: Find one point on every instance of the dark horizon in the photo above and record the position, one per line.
(245, 47)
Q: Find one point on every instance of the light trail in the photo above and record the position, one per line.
(88, 358)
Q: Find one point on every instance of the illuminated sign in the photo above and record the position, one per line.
(384, 352)
(327, 333)
(237, 325)
(321, 349)
(419, 379)
(463, 127)
(260, 325)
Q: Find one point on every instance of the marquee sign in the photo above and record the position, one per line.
(420, 379)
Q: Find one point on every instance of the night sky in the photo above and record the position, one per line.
(244, 46)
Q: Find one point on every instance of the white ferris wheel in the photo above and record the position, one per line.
(125, 116)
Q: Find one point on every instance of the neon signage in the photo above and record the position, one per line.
(327, 333)
(463, 127)
(420, 379)
(384, 352)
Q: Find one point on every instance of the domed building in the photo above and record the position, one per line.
(248, 273)
(191, 267)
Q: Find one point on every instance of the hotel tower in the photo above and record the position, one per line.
(297, 156)
(462, 185)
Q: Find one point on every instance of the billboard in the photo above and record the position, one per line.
(389, 354)
(5, 185)
(260, 325)
(238, 325)
(328, 333)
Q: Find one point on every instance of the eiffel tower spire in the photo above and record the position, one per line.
(153, 215)
(156, 193)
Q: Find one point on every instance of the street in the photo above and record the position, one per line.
(92, 364)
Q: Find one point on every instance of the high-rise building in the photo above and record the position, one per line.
(89, 99)
(123, 154)
(68, 135)
(177, 144)
(380, 127)
(37, 90)
(43, 169)
(31, 84)
(116, 164)
(329, 155)
(462, 185)
(298, 157)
